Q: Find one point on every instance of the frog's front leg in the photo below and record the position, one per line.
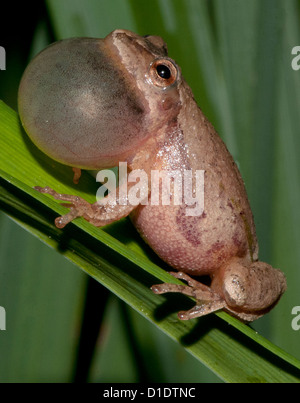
(98, 214)
(77, 175)
(207, 300)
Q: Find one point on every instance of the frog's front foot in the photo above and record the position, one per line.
(78, 206)
(207, 300)
(100, 213)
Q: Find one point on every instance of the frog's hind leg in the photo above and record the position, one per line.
(207, 300)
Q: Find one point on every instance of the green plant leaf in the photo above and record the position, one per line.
(228, 52)
(229, 348)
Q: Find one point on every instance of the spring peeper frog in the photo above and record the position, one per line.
(92, 103)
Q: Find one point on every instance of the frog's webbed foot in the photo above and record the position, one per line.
(207, 300)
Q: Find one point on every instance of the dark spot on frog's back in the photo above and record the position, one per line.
(188, 226)
(217, 249)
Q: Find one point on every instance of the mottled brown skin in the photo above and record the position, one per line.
(91, 103)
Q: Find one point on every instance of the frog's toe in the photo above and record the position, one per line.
(201, 309)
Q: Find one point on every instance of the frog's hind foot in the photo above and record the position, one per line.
(207, 300)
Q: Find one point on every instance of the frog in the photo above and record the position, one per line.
(91, 103)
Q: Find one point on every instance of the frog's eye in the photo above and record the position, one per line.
(163, 72)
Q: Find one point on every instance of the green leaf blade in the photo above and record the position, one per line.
(213, 340)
